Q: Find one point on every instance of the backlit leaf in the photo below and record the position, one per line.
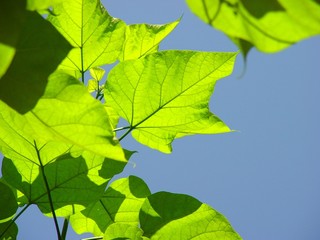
(97, 37)
(177, 216)
(142, 39)
(165, 95)
(66, 113)
(97, 73)
(269, 25)
(73, 182)
(41, 4)
(120, 203)
(123, 231)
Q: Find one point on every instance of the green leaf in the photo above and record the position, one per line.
(122, 231)
(165, 95)
(120, 203)
(31, 49)
(97, 73)
(93, 85)
(66, 114)
(41, 4)
(8, 234)
(113, 116)
(97, 37)
(142, 39)
(269, 25)
(73, 183)
(177, 216)
(8, 203)
(12, 18)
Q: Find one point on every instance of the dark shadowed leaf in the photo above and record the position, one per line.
(73, 182)
(120, 203)
(31, 49)
(177, 216)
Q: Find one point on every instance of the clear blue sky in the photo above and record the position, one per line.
(263, 178)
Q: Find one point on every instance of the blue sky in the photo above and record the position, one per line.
(265, 177)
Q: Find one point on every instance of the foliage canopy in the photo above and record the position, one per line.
(59, 131)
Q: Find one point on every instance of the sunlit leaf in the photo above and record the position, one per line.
(269, 25)
(73, 183)
(120, 203)
(30, 49)
(165, 95)
(97, 37)
(66, 114)
(97, 73)
(142, 39)
(41, 4)
(176, 216)
(93, 85)
(123, 231)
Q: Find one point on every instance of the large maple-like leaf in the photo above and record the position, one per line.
(166, 215)
(165, 95)
(67, 182)
(120, 203)
(177, 216)
(269, 25)
(67, 114)
(97, 37)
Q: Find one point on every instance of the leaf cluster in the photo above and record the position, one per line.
(61, 140)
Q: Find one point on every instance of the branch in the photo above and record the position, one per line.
(49, 193)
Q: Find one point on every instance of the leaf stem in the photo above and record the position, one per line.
(126, 133)
(207, 12)
(65, 228)
(13, 220)
(121, 128)
(49, 193)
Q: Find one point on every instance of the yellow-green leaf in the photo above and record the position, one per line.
(142, 39)
(97, 37)
(66, 114)
(120, 203)
(166, 95)
(269, 25)
(97, 73)
(177, 216)
(73, 183)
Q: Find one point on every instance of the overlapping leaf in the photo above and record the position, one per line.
(8, 203)
(8, 232)
(176, 216)
(269, 25)
(30, 49)
(142, 39)
(67, 114)
(97, 37)
(72, 182)
(42, 4)
(123, 231)
(165, 95)
(166, 215)
(121, 203)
